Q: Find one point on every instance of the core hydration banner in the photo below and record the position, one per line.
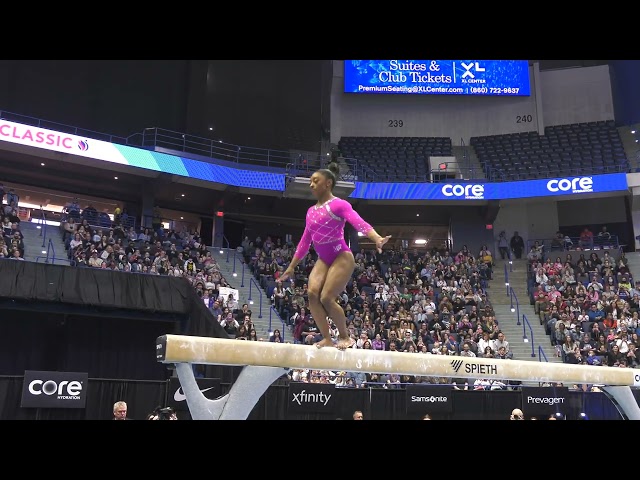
(549, 187)
(438, 77)
(42, 389)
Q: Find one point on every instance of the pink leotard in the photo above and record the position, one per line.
(325, 228)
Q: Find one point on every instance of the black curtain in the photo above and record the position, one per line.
(106, 292)
(103, 347)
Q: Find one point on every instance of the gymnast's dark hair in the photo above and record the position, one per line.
(332, 172)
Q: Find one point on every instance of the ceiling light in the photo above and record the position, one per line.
(420, 241)
(181, 218)
(42, 163)
(248, 198)
(417, 214)
(182, 195)
(115, 178)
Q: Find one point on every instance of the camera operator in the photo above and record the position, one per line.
(159, 413)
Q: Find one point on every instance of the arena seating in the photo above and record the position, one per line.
(396, 158)
(11, 237)
(564, 150)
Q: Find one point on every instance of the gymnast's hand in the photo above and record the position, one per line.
(380, 241)
(286, 275)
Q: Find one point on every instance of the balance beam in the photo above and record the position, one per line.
(269, 361)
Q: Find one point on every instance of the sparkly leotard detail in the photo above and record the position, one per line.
(325, 225)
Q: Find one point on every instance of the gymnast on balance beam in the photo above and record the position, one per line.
(325, 228)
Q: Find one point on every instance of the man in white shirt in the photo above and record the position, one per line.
(501, 342)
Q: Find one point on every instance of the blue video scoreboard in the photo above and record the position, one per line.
(438, 77)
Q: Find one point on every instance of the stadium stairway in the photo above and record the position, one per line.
(507, 319)
(250, 292)
(34, 250)
(634, 264)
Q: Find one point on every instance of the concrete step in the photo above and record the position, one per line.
(521, 336)
(264, 318)
(36, 242)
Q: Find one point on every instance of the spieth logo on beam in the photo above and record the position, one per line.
(474, 368)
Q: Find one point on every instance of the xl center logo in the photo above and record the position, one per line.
(467, 191)
(574, 185)
(468, 66)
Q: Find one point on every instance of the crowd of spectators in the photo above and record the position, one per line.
(431, 302)
(153, 251)
(12, 239)
(588, 305)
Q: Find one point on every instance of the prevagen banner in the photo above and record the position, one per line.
(438, 77)
(548, 187)
(137, 157)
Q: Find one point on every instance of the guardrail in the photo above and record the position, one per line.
(525, 324)
(572, 243)
(515, 308)
(228, 247)
(235, 273)
(215, 149)
(43, 227)
(252, 281)
(515, 305)
(541, 354)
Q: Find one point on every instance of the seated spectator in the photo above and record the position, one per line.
(275, 337)
(557, 243)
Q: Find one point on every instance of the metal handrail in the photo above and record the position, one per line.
(50, 248)
(614, 241)
(252, 281)
(506, 278)
(215, 149)
(541, 354)
(515, 306)
(242, 262)
(225, 239)
(525, 323)
(43, 227)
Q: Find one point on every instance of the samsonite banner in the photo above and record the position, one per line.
(422, 399)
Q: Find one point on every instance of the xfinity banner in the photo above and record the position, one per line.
(311, 398)
(438, 77)
(544, 400)
(210, 388)
(54, 389)
(422, 399)
(549, 187)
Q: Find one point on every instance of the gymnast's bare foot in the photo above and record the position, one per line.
(344, 342)
(325, 342)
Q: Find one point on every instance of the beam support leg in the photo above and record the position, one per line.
(625, 402)
(250, 385)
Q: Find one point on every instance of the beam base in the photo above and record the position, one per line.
(250, 385)
(625, 402)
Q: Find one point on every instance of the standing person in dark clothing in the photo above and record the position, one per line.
(503, 245)
(517, 245)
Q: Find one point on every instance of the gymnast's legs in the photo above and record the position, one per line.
(336, 279)
(316, 283)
